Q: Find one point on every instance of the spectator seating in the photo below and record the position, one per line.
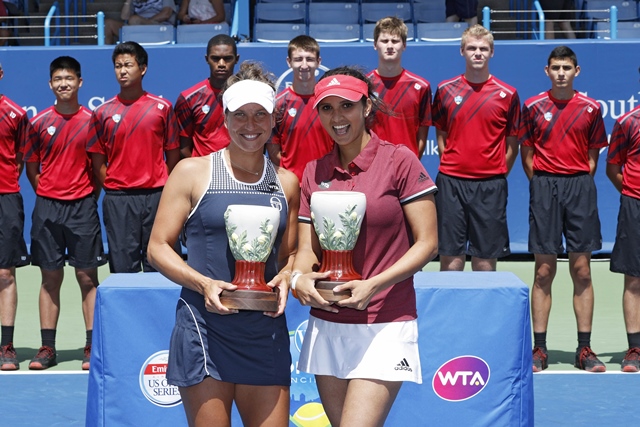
(148, 34)
(199, 33)
(626, 30)
(595, 11)
(345, 20)
(440, 31)
(335, 32)
(598, 10)
(372, 12)
(429, 11)
(270, 32)
(281, 12)
(334, 13)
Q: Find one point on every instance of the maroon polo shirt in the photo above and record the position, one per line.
(390, 176)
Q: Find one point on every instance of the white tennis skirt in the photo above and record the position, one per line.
(381, 351)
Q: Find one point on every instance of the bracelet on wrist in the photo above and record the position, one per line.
(294, 279)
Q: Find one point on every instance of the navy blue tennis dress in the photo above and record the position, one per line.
(243, 348)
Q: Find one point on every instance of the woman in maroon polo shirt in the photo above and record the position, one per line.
(362, 348)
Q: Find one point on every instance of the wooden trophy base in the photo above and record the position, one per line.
(325, 289)
(250, 300)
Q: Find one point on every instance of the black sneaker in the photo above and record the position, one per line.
(540, 359)
(86, 360)
(8, 358)
(45, 358)
(587, 360)
(631, 361)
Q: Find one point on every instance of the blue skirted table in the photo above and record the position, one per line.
(475, 344)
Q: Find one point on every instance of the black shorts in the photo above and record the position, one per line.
(464, 9)
(128, 219)
(563, 205)
(472, 216)
(70, 226)
(625, 257)
(13, 249)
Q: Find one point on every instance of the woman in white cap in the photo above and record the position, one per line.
(362, 348)
(218, 355)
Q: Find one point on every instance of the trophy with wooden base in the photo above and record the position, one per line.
(337, 217)
(251, 231)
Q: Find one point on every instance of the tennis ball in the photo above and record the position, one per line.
(310, 415)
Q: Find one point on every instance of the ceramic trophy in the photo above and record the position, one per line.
(251, 231)
(337, 217)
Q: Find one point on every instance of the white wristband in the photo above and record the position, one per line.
(294, 279)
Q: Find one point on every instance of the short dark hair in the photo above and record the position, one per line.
(222, 39)
(304, 42)
(563, 52)
(133, 49)
(65, 63)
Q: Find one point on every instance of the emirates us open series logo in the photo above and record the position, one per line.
(153, 381)
(461, 378)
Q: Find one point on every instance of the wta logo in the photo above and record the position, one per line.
(461, 378)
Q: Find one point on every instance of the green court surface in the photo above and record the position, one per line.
(608, 337)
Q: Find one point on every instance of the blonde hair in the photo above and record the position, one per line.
(478, 32)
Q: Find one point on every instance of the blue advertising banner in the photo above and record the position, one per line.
(609, 75)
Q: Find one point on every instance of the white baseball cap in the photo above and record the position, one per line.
(247, 92)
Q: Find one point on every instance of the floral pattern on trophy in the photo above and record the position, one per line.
(251, 231)
(328, 209)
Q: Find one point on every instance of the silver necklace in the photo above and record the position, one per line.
(241, 168)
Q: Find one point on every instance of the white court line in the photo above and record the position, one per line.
(41, 372)
(578, 372)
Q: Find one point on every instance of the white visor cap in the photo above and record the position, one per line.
(246, 92)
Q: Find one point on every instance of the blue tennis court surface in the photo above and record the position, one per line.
(561, 399)
(43, 399)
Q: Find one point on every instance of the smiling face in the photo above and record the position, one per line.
(561, 72)
(65, 85)
(222, 62)
(477, 51)
(249, 127)
(128, 72)
(390, 47)
(303, 64)
(344, 120)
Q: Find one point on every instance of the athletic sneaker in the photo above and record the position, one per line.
(540, 359)
(8, 358)
(45, 358)
(86, 360)
(631, 361)
(587, 360)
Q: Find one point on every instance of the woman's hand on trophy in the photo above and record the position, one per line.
(361, 293)
(212, 290)
(280, 281)
(308, 295)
